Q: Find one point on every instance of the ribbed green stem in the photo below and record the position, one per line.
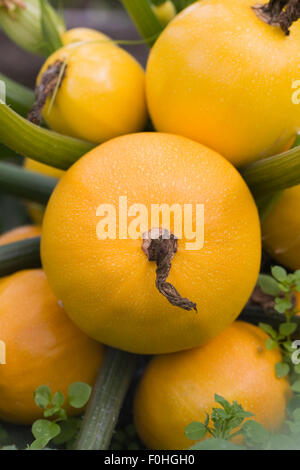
(27, 184)
(20, 255)
(274, 173)
(107, 397)
(19, 97)
(144, 18)
(40, 144)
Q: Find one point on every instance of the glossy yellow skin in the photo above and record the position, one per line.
(102, 94)
(36, 211)
(43, 347)
(108, 286)
(281, 229)
(82, 34)
(20, 233)
(222, 77)
(178, 389)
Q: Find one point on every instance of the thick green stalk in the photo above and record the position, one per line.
(19, 97)
(107, 397)
(20, 255)
(144, 18)
(274, 173)
(40, 144)
(26, 184)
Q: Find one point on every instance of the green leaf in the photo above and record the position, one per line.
(268, 285)
(297, 369)
(51, 411)
(271, 344)
(51, 36)
(42, 396)
(69, 430)
(294, 427)
(282, 442)
(79, 394)
(58, 399)
(287, 329)
(279, 273)
(282, 305)
(296, 414)
(268, 329)
(224, 403)
(255, 432)
(39, 444)
(282, 369)
(216, 444)
(43, 431)
(296, 386)
(196, 431)
(297, 274)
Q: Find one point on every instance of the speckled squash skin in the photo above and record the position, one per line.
(177, 389)
(43, 347)
(102, 94)
(108, 286)
(281, 229)
(221, 76)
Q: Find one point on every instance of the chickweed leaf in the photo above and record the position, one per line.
(296, 414)
(196, 431)
(43, 431)
(279, 273)
(268, 329)
(282, 369)
(224, 403)
(282, 304)
(287, 329)
(58, 399)
(216, 444)
(271, 344)
(268, 285)
(296, 386)
(79, 394)
(42, 396)
(255, 432)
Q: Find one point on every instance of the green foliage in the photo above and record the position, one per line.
(231, 420)
(56, 425)
(282, 286)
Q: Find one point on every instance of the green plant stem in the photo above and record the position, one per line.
(40, 144)
(105, 403)
(273, 173)
(181, 4)
(266, 204)
(144, 18)
(20, 255)
(27, 184)
(19, 97)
